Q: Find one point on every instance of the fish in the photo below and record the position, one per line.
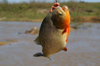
(54, 32)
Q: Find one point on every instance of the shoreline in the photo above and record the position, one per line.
(91, 19)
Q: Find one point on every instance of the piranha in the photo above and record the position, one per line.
(54, 31)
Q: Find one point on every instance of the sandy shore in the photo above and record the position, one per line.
(83, 47)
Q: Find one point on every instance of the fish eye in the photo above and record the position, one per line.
(60, 13)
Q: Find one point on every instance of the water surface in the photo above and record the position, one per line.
(83, 46)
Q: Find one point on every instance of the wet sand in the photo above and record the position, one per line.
(83, 47)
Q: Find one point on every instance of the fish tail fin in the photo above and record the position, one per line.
(39, 54)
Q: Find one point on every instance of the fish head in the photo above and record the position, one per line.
(60, 17)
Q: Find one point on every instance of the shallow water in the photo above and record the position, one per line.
(83, 46)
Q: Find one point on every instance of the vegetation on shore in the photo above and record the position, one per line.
(80, 12)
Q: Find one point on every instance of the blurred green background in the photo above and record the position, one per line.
(35, 11)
